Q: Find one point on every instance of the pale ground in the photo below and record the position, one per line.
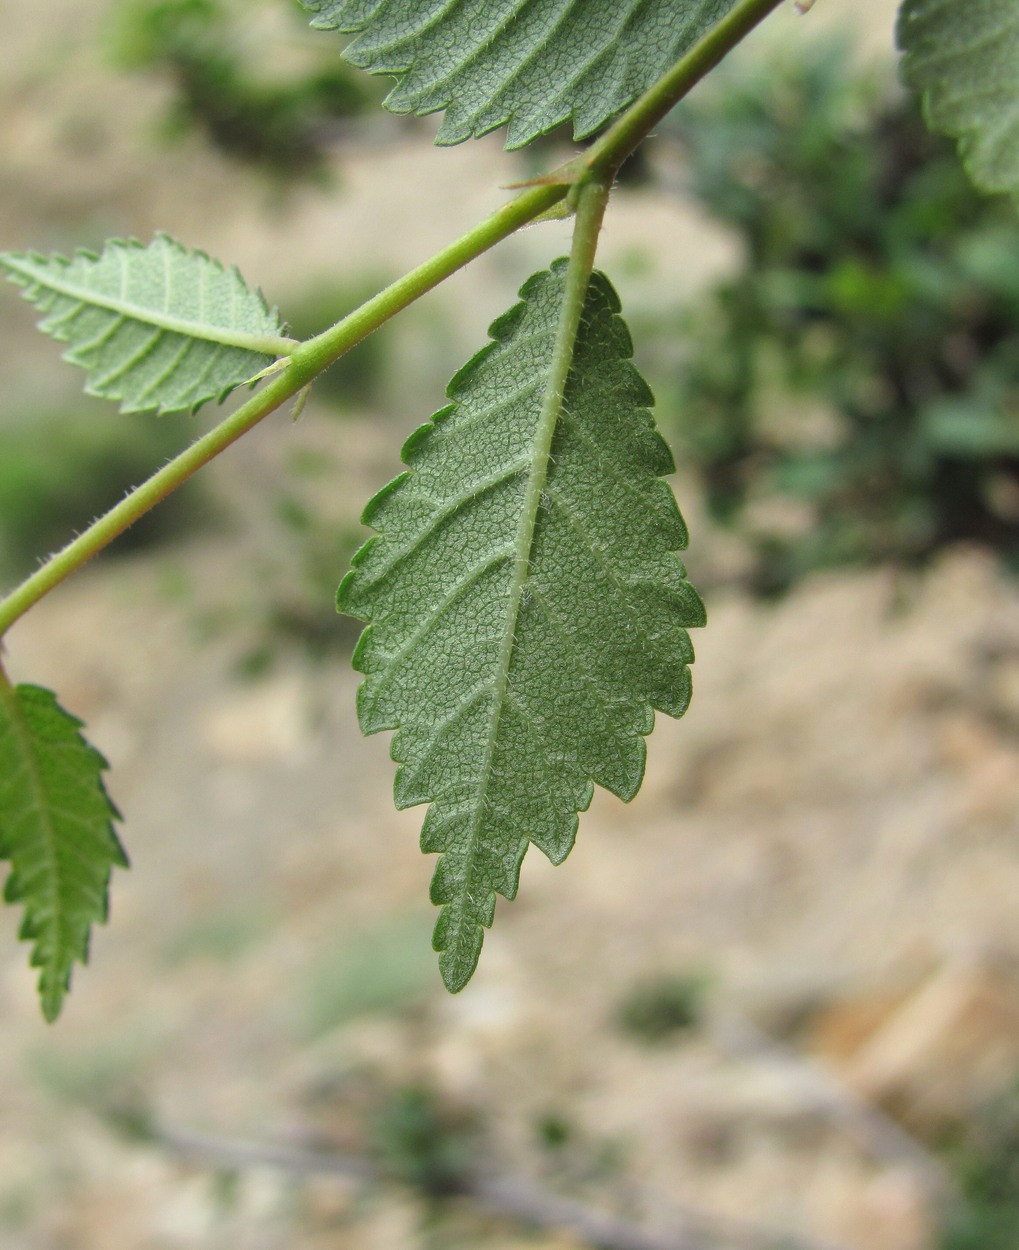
(831, 834)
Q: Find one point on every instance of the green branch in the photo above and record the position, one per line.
(318, 353)
(307, 361)
(113, 523)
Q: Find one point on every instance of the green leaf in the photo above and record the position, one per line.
(531, 63)
(528, 609)
(965, 59)
(56, 830)
(156, 327)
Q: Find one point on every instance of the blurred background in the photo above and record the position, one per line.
(774, 1002)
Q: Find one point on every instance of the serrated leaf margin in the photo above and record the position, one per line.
(459, 951)
(926, 33)
(37, 722)
(569, 94)
(40, 276)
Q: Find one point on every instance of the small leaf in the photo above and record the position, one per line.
(965, 59)
(533, 65)
(528, 609)
(156, 327)
(56, 830)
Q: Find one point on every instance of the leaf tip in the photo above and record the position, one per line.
(458, 961)
(51, 998)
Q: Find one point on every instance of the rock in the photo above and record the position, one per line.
(942, 1050)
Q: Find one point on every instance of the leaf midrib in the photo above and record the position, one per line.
(567, 330)
(261, 344)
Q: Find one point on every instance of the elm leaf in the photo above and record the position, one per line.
(964, 58)
(530, 63)
(527, 608)
(157, 328)
(56, 830)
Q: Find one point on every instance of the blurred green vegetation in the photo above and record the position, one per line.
(659, 1009)
(222, 936)
(423, 1142)
(274, 108)
(985, 1161)
(381, 970)
(309, 544)
(850, 394)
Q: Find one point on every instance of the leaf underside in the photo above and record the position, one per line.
(528, 612)
(531, 63)
(156, 327)
(56, 829)
(964, 58)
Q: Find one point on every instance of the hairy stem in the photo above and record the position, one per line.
(113, 523)
(318, 353)
(305, 363)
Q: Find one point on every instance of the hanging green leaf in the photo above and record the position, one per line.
(533, 65)
(156, 327)
(965, 60)
(56, 830)
(528, 609)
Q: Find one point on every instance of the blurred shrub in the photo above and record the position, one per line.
(59, 470)
(986, 1166)
(661, 1008)
(218, 59)
(862, 363)
(424, 1142)
(377, 972)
